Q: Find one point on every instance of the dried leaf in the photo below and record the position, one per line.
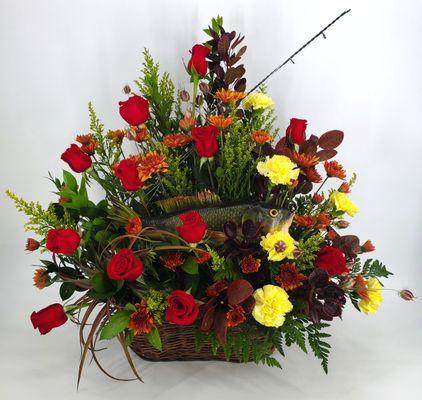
(331, 139)
(223, 45)
(325, 155)
(241, 51)
(309, 147)
(239, 291)
(238, 41)
(233, 60)
(208, 319)
(240, 85)
(220, 326)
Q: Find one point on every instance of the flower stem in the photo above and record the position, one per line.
(322, 184)
(210, 173)
(195, 79)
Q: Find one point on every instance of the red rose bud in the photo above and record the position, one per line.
(124, 265)
(344, 187)
(62, 241)
(127, 171)
(134, 110)
(182, 309)
(407, 295)
(342, 224)
(367, 247)
(205, 138)
(198, 59)
(32, 244)
(78, 160)
(332, 260)
(296, 130)
(48, 318)
(317, 198)
(184, 95)
(193, 227)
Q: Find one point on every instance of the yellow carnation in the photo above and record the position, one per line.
(279, 169)
(278, 244)
(271, 305)
(343, 203)
(374, 294)
(258, 100)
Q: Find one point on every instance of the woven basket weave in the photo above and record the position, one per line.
(178, 345)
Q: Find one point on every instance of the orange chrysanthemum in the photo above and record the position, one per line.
(40, 278)
(150, 164)
(249, 264)
(308, 221)
(117, 135)
(173, 261)
(334, 169)
(202, 257)
(324, 220)
(133, 226)
(313, 175)
(88, 143)
(235, 316)
(138, 134)
(305, 160)
(141, 321)
(228, 96)
(361, 287)
(219, 121)
(187, 122)
(261, 137)
(344, 187)
(289, 278)
(174, 140)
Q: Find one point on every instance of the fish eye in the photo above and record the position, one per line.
(273, 212)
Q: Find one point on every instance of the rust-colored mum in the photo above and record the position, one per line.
(220, 121)
(133, 226)
(334, 170)
(261, 137)
(361, 287)
(141, 321)
(174, 140)
(368, 246)
(138, 134)
(313, 175)
(308, 221)
(88, 143)
(173, 260)
(202, 256)
(289, 278)
(323, 220)
(250, 264)
(187, 122)
(150, 164)
(117, 135)
(235, 316)
(228, 96)
(317, 198)
(344, 187)
(305, 160)
(40, 278)
(32, 244)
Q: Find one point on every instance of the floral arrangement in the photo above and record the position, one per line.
(212, 220)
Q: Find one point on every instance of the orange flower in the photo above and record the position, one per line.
(235, 316)
(368, 246)
(249, 264)
(324, 220)
(344, 187)
(40, 278)
(308, 221)
(334, 169)
(305, 160)
(174, 140)
(219, 121)
(317, 198)
(88, 143)
(173, 260)
(187, 122)
(261, 137)
(141, 321)
(138, 134)
(32, 244)
(150, 164)
(84, 139)
(117, 136)
(313, 175)
(289, 278)
(133, 226)
(228, 96)
(202, 257)
(361, 287)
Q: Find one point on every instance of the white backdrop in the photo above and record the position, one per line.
(365, 79)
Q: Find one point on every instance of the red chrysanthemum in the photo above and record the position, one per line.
(202, 256)
(133, 226)
(141, 321)
(313, 175)
(289, 278)
(305, 160)
(249, 264)
(173, 260)
(40, 278)
(174, 140)
(235, 316)
(323, 220)
(334, 169)
(308, 221)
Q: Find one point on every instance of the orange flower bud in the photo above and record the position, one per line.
(317, 198)
(342, 224)
(32, 244)
(344, 187)
(368, 246)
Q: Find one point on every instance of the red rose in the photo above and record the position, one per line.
(193, 227)
(48, 318)
(134, 110)
(332, 260)
(127, 172)
(197, 60)
(205, 138)
(76, 158)
(62, 241)
(124, 265)
(296, 130)
(182, 309)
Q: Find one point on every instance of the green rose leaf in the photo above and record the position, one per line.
(155, 339)
(190, 266)
(117, 323)
(66, 290)
(70, 181)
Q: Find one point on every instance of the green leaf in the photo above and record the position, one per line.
(70, 181)
(190, 266)
(219, 172)
(155, 339)
(130, 307)
(103, 285)
(66, 290)
(102, 236)
(129, 335)
(116, 324)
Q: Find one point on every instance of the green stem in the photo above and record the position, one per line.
(195, 79)
(210, 173)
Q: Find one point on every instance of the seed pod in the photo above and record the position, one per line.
(126, 89)
(203, 86)
(199, 99)
(184, 95)
(407, 295)
(342, 224)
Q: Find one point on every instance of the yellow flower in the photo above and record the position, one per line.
(279, 169)
(343, 203)
(271, 305)
(278, 244)
(258, 100)
(374, 294)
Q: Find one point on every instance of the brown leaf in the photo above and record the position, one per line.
(220, 326)
(248, 305)
(331, 139)
(239, 291)
(241, 51)
(223, 45)
(230, 76)
(325, 155)
(348, 244)
(233, 60)
(237, 41)
(240, 85)
(309, 147)
(304, 188)
(208, 319)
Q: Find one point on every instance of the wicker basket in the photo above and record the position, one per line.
(178, 345)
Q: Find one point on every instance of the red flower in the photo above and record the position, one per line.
(197, 60)
(62, 241)
(182, 309)
(48, 318)
(124, 265)
(332, 260)
(134, 110)
(127, 172)
(32, 244)
(205, 138)
(193, 227)
(296, 130)
(78, 160)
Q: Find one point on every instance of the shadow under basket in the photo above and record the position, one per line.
(178, 345)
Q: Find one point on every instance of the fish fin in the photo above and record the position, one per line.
(181, 203)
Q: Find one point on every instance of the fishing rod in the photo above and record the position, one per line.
(290, 59)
